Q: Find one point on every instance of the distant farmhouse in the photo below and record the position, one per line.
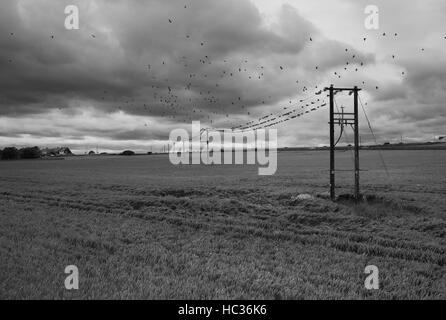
(56, 152)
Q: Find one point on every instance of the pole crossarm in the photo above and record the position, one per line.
(342, 89)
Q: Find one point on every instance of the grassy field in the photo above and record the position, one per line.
(138, 227)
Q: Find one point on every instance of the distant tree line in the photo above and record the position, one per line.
(12, 153)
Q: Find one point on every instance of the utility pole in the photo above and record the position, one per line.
(356, 129)
(343, 118)
(332, 146)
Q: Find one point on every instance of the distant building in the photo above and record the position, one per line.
(56, 152)
(127, 153)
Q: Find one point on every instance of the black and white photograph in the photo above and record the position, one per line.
(241, 151)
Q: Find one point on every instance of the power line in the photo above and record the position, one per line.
(374, 138)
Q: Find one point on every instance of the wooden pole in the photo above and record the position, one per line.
(356, 144)
(332, 146)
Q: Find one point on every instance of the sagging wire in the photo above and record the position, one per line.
(374, 138)
(253, 123)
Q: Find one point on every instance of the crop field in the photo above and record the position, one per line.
(139, 227)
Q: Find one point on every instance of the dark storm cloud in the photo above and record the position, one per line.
(128, 56)
(156, 59)
(137, 134)
(80, 129)
(390, 92)
(10, 135)
(419, 97)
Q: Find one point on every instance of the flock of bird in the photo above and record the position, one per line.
(203, 88)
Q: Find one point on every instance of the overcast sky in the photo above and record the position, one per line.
(135, 70)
